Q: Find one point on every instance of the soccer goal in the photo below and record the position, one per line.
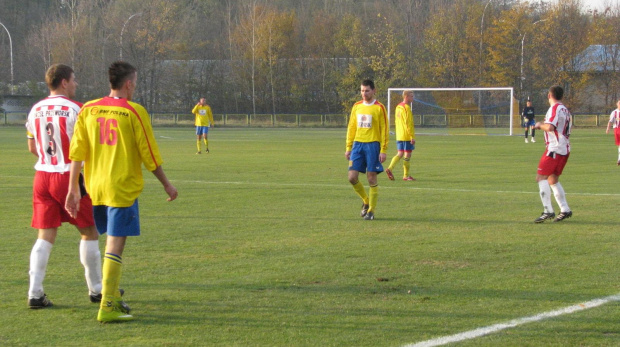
(485, 111)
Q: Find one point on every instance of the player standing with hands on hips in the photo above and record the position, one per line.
(50, 128)
(114, 137)
(557, 127)
(528, 120)
(204, 120)
(405, 136)
(366, 145)
(614, 120)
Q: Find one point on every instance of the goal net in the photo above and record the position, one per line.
(483, 111)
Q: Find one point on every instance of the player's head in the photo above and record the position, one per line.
(556, 92)
(60, 77)
(408, 96)
(529, 103)
(123, 76)
(203, 101)
(367, 90)
(618, 104)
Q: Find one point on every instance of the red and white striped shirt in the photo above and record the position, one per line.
(557, 140)
(50, 123)
(614, 118)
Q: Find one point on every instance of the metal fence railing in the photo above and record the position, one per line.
(302, 120)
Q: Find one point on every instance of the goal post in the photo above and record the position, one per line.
(490, 111)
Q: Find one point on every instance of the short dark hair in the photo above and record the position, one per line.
(557, 92)
(56, 73)
(369, 83)
(119, 72)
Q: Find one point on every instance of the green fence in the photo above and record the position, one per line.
(301, 120)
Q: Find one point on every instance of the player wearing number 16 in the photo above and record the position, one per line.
(114, 137)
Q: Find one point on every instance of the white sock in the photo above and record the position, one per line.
(618, 153)
(560, 197)
(545, 196)
(38, 265)
(90, 257)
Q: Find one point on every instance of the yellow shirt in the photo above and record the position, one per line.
(368, 123)
(403, 122)
(114, 138)
(204, 117)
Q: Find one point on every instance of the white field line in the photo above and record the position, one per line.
(513, 323)
(345, 185)
(383, 186)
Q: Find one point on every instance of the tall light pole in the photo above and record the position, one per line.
(481, 33)
(11, 52)
(123, 29)
(522, 50)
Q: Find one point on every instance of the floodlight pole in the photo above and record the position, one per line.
(11, 53)
(123, 29)
(481, 36)
(522, 50)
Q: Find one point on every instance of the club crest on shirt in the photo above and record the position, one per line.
(364, 121)
(94, 111)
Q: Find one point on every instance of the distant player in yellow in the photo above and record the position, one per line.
(114, 137)
(367, 140)
(204, 120)
(405, 136)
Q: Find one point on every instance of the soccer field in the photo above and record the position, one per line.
(265, 247)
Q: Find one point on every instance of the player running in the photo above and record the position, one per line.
(405, 136)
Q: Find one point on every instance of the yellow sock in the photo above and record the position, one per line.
(394, 161)
(206, 144)
(374, 193)
(111, 272)
(406, 164)
(359, 189)
(198, 145)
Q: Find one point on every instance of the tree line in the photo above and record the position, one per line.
(288, 56)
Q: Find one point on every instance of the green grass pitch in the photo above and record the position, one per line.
(265, 247)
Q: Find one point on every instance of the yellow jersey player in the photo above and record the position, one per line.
(114, 138)
(204, 120)
(366, 145)
(405, 136)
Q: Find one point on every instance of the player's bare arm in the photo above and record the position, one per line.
(168, 187)
(347, 155)
(72, 203)
(544, 126)
(32, 147)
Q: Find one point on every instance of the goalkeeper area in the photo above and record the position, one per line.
(475, 111)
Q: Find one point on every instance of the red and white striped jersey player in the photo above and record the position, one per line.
(614, 120)
(557, 127)
(49, 131)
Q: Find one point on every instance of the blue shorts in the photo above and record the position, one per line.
(404, 146)
(365, 156)
(529, 123)
(202, 130)
(117, 221)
